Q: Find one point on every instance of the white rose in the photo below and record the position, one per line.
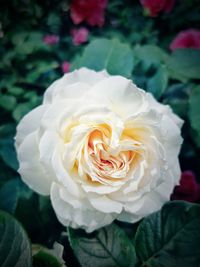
(102, 148)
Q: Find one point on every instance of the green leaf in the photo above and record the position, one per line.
(39, 209)
(6, 172)
(177, 96)
(112, 55)
(170, 237)
(150, 55)
(7, 150)
(28, 42)
(54, 21)
(43, 257)
(7, 102)
(194, 113)
(14, 90)
(108, 246)
(15, 249)
(22, 109)
(184, 64)
(29, 203)
(179, 106)
(39, 68)
(196, 137)
(194, 108)
(9, 194)
(158, 83)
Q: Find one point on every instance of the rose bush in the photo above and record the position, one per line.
(102, 148)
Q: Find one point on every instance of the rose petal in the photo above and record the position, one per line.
(31, 170)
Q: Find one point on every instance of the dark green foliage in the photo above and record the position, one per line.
(14, 244)
(109, 247)
(170, 237)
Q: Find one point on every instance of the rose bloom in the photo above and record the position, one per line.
(91, 11)
(186, 39)
(156, 6)
(102, 148)
(80, 35)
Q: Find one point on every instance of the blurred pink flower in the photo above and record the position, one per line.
(91, 11)
(65, 66)
(51, 39)
(188, 190)
(156, 6)
(186, 39)
(79, 36)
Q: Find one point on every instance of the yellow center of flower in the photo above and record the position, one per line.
(103, 156)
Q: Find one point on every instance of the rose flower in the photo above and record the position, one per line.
(156, 6)
(102, 148)
(79, 36)
(186, 39)
(91, 11)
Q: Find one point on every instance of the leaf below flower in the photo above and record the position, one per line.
(170, 237)
(108, 246)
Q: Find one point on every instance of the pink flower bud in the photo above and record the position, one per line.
(65, 66)
(79, 36)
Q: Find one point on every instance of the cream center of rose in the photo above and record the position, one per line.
(103, 156)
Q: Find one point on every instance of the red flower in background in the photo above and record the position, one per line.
(91, 11)
(188, 189)
(156, 6)
(51, 39)
(79, 36)
(186, 39)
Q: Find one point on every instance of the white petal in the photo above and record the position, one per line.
(171, 179)
(83, 75)
(164, 109)
(62, 175)
(172, 138)
(101, 189)
(79, 202)
(31, 170)
(128, 217)
(74, 147)
(48, 142)
(75, 90)
(77, 218)
(89, 76)
(148, 204)
(56, 112)
(120, 94)
(105, 204)
(29, 123)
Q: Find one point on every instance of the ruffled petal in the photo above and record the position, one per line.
(31, 170)
(29, 123)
